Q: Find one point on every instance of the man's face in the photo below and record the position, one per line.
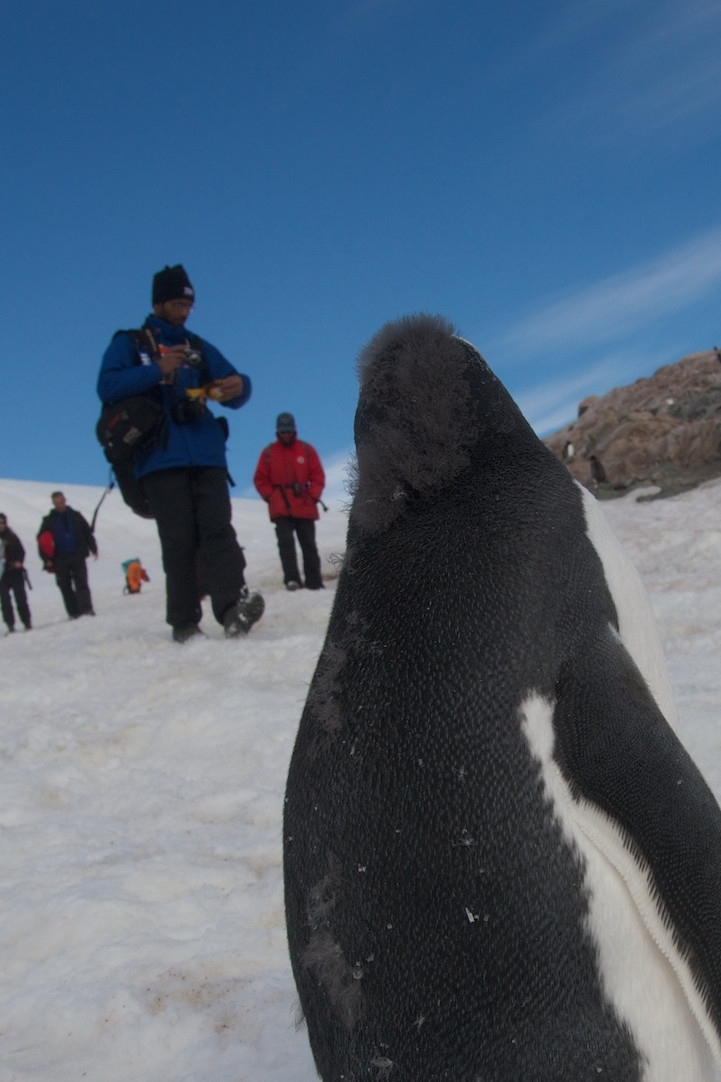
(3, 524)
(174, 312)
(286, 437)
(59, 501)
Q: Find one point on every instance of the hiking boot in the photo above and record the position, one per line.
(182, 634)
(239, 618)
(292, 585)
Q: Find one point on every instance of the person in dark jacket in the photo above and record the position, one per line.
(73, 541)
(12, 577)
(290, 478)
(185, 474)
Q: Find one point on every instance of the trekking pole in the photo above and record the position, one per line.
(111, 486)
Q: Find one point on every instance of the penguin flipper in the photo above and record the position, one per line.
(643, 802)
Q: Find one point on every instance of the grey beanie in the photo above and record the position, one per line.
(285, 423)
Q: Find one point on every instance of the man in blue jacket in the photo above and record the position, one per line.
(73, 541)
(185, 474)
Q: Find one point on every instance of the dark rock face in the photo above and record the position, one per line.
(663, 430)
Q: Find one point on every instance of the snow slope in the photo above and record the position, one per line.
(141, 908)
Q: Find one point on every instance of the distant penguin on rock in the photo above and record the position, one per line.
(500, 863)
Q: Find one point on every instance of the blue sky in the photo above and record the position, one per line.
(544, 174)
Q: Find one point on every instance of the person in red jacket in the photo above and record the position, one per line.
(290, 478)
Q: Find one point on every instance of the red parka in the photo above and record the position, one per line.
(290, 479)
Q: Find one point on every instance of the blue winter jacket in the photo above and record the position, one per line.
(198, 443)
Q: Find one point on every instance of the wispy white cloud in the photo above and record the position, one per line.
(567, 29)
(550, 405)
(622, 304)
(647, 67)
(667, 71)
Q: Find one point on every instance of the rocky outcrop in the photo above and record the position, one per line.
(664, 430)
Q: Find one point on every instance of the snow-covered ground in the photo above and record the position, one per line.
(141, 906)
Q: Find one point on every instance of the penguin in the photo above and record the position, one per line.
(500, 863)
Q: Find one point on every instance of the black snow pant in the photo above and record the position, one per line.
(71, 575)
(13, 581)
(193, 514)
(304, 528)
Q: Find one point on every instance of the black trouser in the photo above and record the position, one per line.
(193, 513)
(71, 575)
(305, 529)
(14, 581)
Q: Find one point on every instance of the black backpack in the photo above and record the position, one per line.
(129, 426)
(132, 426)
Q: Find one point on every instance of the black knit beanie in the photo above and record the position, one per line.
(172, 283)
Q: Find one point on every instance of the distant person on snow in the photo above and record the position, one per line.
(12, 577)
(135, 576)
(290, 478)
(185, 475)
(72, 542)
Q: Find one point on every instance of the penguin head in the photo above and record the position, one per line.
(428, 405)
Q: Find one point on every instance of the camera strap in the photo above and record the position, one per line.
(148, 350)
